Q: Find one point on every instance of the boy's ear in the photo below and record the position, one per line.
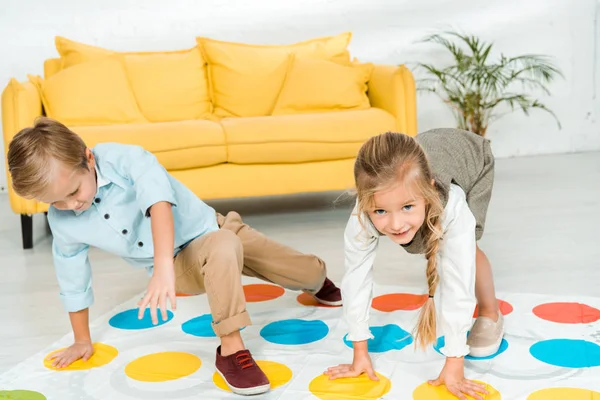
(433, 182)
(90, 158)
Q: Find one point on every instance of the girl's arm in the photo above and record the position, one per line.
(457, 274)
(357, 291)
(360, 247)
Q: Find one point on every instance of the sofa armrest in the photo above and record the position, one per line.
(393, 89)
(21, 105)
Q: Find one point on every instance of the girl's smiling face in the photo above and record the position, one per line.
(398, 212)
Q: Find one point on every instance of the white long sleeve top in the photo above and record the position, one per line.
(456, 268)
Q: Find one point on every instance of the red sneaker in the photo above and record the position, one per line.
(330, 295)
(241, 373)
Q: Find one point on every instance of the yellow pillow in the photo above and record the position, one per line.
(319, 85)
(92, 93)
(73, 53)
(245, 79)
(168, 85)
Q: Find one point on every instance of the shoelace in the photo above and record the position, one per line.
(244, 359)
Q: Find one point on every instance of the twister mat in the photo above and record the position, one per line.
(551, 351)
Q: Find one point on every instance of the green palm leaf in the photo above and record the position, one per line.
(473, 86)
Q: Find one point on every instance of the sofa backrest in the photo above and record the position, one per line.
(89, 85)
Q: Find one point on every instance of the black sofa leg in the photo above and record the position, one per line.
(27, 231)
(48, 230)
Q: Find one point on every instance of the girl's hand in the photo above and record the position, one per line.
(360, 364)
(453, 376)
(78, 350)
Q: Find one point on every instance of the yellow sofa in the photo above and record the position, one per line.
(226, 119)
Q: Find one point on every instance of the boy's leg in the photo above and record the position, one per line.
(274, 262)
(213, 264)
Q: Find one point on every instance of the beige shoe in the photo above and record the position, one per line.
(486, 336)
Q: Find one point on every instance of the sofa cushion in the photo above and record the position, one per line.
(245, 79)
(177, 145)
(314, 85)
(302, 138)
(168, 85)
(93, 93)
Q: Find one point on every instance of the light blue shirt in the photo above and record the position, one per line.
(130, 180)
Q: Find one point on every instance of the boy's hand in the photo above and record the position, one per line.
(78, 350)
(360, 364)
(453, 376)
(161, 287)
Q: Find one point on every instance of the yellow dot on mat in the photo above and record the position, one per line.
(359, 388)
(103, 354)
(564, 393)
(426, 391)
(277, 373)
(162, 367)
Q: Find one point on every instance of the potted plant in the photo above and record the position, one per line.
(475, 87)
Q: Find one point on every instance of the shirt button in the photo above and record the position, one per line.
(106, 216)
(97, 200)
(124, 231)
(140, 244)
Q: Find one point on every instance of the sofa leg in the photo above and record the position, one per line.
(48, 230)
(27, 231)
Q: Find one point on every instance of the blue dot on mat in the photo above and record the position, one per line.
(200, 326)
(569, 353)
(294, 331)
(441, 342)
(386, 338)
(129, 320)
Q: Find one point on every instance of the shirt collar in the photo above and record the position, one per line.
(100, 181)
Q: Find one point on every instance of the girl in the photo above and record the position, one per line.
(430, 195)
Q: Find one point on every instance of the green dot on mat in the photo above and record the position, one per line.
(21, 395)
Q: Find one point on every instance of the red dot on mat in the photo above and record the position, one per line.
(262, 292)
(399, 301)
(567, 313)
(184, 295)
(307, 300)
(505, 308)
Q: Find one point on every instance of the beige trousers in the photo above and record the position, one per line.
(214, 263)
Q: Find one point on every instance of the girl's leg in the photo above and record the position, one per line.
(484, 287)
(486, 335)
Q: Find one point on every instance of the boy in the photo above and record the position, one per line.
(120, 199)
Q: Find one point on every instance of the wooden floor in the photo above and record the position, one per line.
(541, 237)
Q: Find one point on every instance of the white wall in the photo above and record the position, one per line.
(385, 31)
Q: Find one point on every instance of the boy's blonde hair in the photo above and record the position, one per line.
(34, 152)
(384, 161)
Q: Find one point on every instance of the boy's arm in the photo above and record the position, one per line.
(163, 234)
(80, 322)
(74, 276)
(162, 284)
(155, 197)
